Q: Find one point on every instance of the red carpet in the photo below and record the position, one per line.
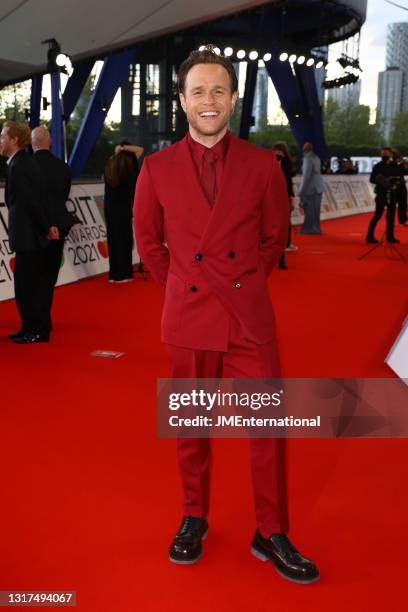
(90, 496)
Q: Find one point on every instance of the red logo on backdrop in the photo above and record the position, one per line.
(12, 264)
(103, 248)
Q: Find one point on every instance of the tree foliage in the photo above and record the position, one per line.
(399, 131)
(15, 102)
(350, 125)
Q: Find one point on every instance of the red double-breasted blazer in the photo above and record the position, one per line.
(213, 262)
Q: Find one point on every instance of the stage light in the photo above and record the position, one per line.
(301, 59)
(283, 57)
(292, 58)
(228, 51)
(202, 47)
(241, 54)
(57, 61)
(61, 59)
(217, 50)
(253, 55)
(267, 57)
(320, 64)
(310, 61)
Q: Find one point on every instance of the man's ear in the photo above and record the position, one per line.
(183, 102)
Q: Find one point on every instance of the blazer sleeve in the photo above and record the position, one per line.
(149, 227)
(306, 175)
(31, 187)
(275, 219)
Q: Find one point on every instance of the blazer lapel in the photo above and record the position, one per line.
(192, 194)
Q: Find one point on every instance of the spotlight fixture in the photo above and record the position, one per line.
(301, 59)
(241, 54)
(201, 47)
(310, 61)
(217, 50)
(283, 57)
(267, 57)
(292, 58)
(347, 79)
(320, 64)
(253, 55)
(228, 51)
(57, 61)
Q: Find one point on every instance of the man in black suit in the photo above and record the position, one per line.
(387, 177)
(29, 232)
(57, 176)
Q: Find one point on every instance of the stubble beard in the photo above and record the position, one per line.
(211, 131)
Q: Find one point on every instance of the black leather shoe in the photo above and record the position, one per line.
(393, 240)
(32, 338)
(18, 334)
(372, 240)
(186, 547)
(288, 562)
(282, 265)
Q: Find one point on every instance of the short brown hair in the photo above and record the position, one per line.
(206, 56)
(21, 131)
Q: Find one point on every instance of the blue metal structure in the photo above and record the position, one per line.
(298, 95)
(35, 101)
(113, 73)
(74, 87)
(57, 146)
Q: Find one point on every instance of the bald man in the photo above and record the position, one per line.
(311, 191)
(57, 178)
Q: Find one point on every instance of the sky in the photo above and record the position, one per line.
(372, 44)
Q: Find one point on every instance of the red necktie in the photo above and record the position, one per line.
(208, 175)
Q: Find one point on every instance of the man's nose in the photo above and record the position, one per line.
(209, 98)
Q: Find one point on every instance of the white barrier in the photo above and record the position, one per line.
(344, 195)
(86, 249)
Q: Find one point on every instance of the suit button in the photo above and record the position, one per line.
(199, 257)
(231, 254)
(193, 289)
(237, 285)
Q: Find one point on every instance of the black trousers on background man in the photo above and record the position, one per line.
(53, 258)
(30, 286)
(380, 204)
(402, 207)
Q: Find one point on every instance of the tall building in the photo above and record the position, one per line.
(390, 97)
(348, 95)
(393, 81)
(260, 106)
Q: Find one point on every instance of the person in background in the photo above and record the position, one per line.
(57, 177)
(286, 164)
(386, 176)
(121, 173)
(402, 188)
(29, 232)
(311, 191)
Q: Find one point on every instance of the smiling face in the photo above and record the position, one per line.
(208, 102)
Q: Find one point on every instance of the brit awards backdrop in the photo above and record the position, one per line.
(86, 247)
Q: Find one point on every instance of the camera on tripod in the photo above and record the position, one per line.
(389, 183)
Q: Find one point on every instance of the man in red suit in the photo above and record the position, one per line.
(211, 217)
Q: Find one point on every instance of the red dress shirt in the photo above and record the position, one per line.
(210, 185)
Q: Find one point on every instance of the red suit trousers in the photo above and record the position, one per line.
(243, 359)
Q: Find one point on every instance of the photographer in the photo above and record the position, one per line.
(387, 177)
